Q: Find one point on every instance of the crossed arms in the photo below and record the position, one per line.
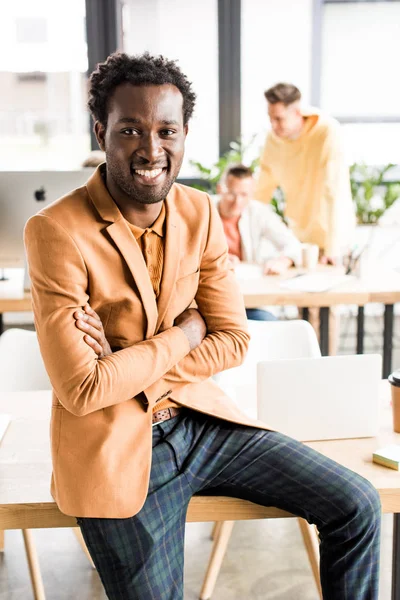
(82, 382)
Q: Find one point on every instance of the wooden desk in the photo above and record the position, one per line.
(25, 467)
(12, 297)
(382, 287)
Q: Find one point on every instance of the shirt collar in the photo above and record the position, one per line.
(157, 227)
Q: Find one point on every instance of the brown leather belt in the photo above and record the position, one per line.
(165, 415)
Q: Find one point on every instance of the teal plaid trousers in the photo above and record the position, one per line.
(141, 558)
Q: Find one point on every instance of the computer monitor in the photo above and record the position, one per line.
(23, 194)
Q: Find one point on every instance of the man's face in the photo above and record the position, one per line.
(144, 140)
(235, 195)
(285, 119)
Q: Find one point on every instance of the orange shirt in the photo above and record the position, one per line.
(151, 243)
(232, 234)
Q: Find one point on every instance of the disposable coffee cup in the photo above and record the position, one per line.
(394, 380)
(309, 256)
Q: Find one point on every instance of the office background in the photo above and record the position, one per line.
(344, 57)
(342, 54)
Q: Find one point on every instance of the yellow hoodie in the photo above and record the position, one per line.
(312, 172)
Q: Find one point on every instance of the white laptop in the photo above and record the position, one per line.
(323, 398)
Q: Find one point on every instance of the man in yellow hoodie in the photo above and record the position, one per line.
(303, 155)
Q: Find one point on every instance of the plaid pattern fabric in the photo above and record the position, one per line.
(141, 558)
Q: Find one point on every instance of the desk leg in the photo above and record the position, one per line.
(387, 340)
(1, 323)
(396, 558)
(33, 564)
(324, 330)
(360, 330)
(304, 314)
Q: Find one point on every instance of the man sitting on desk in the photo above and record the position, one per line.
(255, 234)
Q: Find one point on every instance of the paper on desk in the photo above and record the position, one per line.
(5, 420)
(316, 282)
(246, 271)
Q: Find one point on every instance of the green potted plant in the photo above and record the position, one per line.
(211, 175)
(372, 195)
(237, 153)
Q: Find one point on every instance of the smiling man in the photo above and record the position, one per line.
(137, 425)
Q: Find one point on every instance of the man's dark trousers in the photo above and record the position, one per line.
(141, 558)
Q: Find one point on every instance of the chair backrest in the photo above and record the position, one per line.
(273, 340)
(21, 364)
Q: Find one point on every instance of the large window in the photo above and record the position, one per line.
(359, 76)
(43, 62)
(188, 32)
(276, 46)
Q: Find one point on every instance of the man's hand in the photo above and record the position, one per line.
(193, 326)
(234, 260)
(277, 266)
(328, 260)
(89, 322)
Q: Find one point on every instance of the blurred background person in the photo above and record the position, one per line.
(255, 234)
(303, 155)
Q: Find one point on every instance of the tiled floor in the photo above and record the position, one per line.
(266, 560)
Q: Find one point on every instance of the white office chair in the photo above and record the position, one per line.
(270, 340)
(22, 369)
(21, 365)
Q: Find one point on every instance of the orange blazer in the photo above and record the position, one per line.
(80, 250)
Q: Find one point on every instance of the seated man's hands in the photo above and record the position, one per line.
(277, 266)
(89, 322)
(193, 326)
(234, 260)
(328, 260)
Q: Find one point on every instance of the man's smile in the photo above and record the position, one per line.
(149, 176)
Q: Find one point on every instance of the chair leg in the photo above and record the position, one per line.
(220, 545)
(1, 540)
(216, 529)
(311, 542)
(80, 539)
(34, 567)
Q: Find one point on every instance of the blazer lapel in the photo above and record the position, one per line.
(127, 245)
(171, 257)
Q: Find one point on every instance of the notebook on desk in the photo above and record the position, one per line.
(315, 282)
(323, 398)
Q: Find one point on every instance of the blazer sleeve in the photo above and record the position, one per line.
(220, 303)
(81, 382)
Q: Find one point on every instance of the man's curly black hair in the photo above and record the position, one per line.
(142, 69)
